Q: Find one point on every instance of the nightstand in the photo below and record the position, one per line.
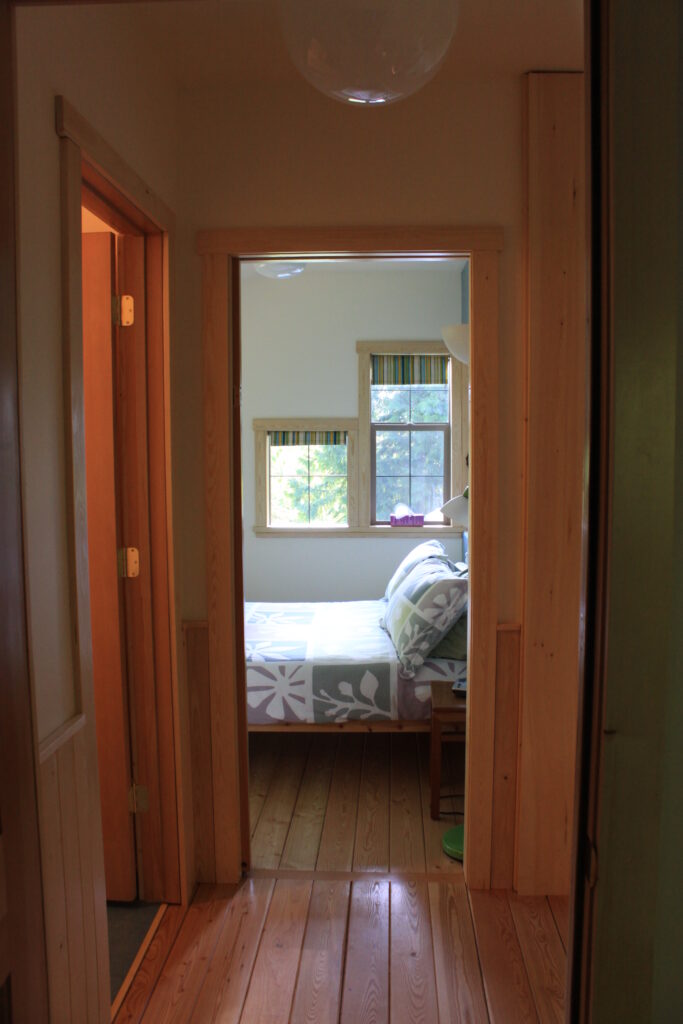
(448, 725)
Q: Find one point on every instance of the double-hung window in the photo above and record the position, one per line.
(410, 430)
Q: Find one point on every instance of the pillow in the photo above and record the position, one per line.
(422, 609)
(454, 643)
(428, 549)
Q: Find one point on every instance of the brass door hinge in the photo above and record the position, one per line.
(138, 799)
(123, 310)
(128, 560)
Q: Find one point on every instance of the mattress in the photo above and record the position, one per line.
(331, 662)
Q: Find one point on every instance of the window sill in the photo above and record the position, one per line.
(431, 530)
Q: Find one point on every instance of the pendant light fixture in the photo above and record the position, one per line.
(368, 52)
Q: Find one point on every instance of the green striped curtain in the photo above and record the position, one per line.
(279, 438)
(409, 369)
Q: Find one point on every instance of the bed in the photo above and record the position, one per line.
(331, 663)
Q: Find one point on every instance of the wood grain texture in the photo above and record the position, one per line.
(53, 882)
(508, 644)
(543, 954)
(435, 859)
(413, 996)
(303, 838)
(458, 974)
(161, 554)
(273, 980)
(371, 850)
(182, 977)
(138, 995)
(227, 979)
(483, 560)
(264, 753)
(556, 439)
(406, 842)
(221, 568)
(338, 835)
(138, 959)
(23, 921)
(342, 241)
(508, 993)
(109, 664)
(317, 997)
(199, 700)
(274, 822)
(560, 909)
(365, 998)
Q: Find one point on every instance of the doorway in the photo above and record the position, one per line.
(121, 296)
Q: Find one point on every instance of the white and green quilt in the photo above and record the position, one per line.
(331, 662)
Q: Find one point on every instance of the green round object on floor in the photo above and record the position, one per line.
(453, 842)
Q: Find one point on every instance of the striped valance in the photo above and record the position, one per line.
(409, 369)
(279, 438)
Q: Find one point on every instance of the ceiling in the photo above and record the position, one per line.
(208, 41)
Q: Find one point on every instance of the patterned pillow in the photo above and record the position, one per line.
(422, 610)
(428, 549)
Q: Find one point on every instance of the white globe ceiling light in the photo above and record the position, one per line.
(279, 269)
(368, 52)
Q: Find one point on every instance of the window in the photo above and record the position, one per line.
(413, 429)
(305, 473)
(410, 431)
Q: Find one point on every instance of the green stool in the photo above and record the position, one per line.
(453, 842)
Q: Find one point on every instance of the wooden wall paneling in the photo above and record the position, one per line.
(196, 637)
(483, 558)
(55, 894)
(508, 643)
(350, 241)
(158, 429)
(222, 615)
(23, 923)
(72, 340)
(554, 497)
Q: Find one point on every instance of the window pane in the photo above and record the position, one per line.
(390, 405)
(329, 502)
(289, 460)
(426, 494)
(288, 500)
(328, 459)
(392, 452)
(389, 492)
(429, 403)
(426, 453)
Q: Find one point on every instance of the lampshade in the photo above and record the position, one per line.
(457, 510)
(457, 338)
(368, 51)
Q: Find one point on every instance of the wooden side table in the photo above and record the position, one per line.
(448, 725)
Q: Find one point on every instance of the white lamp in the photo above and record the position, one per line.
(368, 52)
(458, 509)
(457, 338)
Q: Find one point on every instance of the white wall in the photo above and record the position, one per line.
(299, 359)
(131, 101)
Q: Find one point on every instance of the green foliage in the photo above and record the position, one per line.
(314, 487)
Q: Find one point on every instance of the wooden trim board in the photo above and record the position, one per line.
(334, 242)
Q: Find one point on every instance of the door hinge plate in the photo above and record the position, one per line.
(128, 563)
(138, 799)
(123, 310)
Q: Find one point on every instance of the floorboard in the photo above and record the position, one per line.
(351, 912)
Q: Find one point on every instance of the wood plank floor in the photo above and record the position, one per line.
(351, 913)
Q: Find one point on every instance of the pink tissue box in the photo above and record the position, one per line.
(417, 520)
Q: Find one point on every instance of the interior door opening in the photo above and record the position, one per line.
(121, 279)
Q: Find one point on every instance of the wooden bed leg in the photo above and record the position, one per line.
(435, 766)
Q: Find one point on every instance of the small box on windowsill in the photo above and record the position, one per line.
(407, 520)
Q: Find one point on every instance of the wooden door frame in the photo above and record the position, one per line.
(86, 158)
(221, 253)
(22, 925)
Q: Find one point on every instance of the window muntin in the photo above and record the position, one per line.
(307, 479)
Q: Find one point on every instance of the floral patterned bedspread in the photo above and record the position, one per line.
(328, 662)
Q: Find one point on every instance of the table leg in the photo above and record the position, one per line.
(435, 767)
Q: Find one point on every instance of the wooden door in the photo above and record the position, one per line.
(133, 484)
(111, 701)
